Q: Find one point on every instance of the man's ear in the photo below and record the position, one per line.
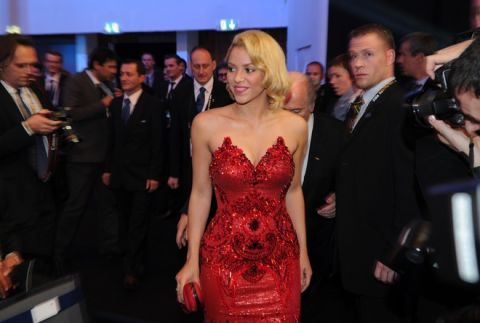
(390, 56)
(420, 57)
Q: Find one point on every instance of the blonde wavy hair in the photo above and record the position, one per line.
(267, 56)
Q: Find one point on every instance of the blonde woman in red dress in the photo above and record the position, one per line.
(251, 262)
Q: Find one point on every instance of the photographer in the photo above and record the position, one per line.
(442, 156)
(26, 205)
(465, 84)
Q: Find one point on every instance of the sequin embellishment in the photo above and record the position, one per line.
(250, 248)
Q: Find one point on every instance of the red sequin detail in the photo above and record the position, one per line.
(249, 252)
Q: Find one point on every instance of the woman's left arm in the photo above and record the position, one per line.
(296, 208)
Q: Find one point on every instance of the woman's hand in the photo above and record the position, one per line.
(189, 273)
(456, 138)
(305, 271)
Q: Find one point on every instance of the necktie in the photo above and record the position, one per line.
(200, 100)
(413, 90)
(353, 112)
(41, 158)
(126, 110)
(170, 90)
(51, 90)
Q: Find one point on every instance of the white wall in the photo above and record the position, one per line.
(306, 20)
(89, 16)
(307, 32)
(4, 15)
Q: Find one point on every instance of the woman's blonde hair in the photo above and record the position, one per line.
(266, 55)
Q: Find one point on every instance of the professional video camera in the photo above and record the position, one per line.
(450, 243)
(437, 100)
(67, 133)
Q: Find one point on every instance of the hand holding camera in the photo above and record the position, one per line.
(459, 139)
(41, 123)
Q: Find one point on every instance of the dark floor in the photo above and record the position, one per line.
(154, 300)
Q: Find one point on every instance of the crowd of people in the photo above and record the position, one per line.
(291, 193)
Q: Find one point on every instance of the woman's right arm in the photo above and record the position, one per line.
(200, 199)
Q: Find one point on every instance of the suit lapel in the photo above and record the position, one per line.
(93, 87)
(313, 153)
(137, 113)
(215, 90)
(10, 106)
(366, 117)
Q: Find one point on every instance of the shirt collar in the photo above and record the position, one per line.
(177, 80)
(55, 77)
(370, 93)
(133, 97)
(92, 77)
(208, 86)
(10, 89)
(422, 81)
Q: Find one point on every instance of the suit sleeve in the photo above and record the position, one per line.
(406, 207)
(175, 140)
(110, 138)
(14, 140)
(74, 97)
(156, 138)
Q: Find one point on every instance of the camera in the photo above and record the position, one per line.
(449, 243)
(67, 133)
(438, 101)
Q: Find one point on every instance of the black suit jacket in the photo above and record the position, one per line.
(157, 87)
(135, 150)
(89, 119)
(375, 192)
(183, 111)
(20, 189)
(327, 139)
(62, 84)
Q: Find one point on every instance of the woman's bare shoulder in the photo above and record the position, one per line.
(212, 119)
(292, 121)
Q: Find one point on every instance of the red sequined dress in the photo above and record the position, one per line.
(249, 253)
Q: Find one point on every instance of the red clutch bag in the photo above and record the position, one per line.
(192, 297)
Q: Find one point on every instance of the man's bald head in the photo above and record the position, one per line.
(301, 97)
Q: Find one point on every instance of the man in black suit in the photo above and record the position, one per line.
(55, 77)
(53, 85)
(375, 182)
(134, 161)
(153, 77)
(88, 96)
(168, 198)
(414, 49)
(26, 203)
(205, 92)
(316, 72)
(321, 301)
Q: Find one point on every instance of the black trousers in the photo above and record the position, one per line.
(135, 212)
(393, 308)
(83, 181)
(134, 208)
(27, 215)
(323, 301)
